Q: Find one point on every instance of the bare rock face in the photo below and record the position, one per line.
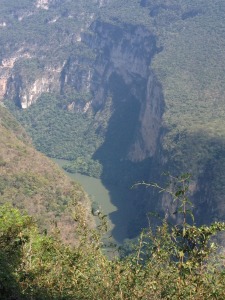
(6, 69)
(123, 52)
(126, 53)
(26, 93)
(147, 132)
(44, 4)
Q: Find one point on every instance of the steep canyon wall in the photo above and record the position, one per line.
(106, 70)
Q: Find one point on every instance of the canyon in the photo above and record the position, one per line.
(139, 80)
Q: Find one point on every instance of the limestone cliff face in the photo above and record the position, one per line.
(44, 4)
(127, 53)
(124, 53)
(120, 53)
(30, 68)
(6, 69)
(25, 92)
(148, 128)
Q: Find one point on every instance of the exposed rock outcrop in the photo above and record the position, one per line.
(44, 4)
(148, 128)
(126, 53)
(6, 69)
(26, 93)
(115, 51)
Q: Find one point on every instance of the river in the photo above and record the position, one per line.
(114, 202)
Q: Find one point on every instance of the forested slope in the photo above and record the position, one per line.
(34, 184)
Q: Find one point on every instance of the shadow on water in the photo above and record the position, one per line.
(126, 216)
(119, 211)
(117, 202)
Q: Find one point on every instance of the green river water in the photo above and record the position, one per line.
(114, 202)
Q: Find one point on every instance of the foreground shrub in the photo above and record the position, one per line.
(168, 262)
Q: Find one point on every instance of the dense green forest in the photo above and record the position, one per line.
(60, 133)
